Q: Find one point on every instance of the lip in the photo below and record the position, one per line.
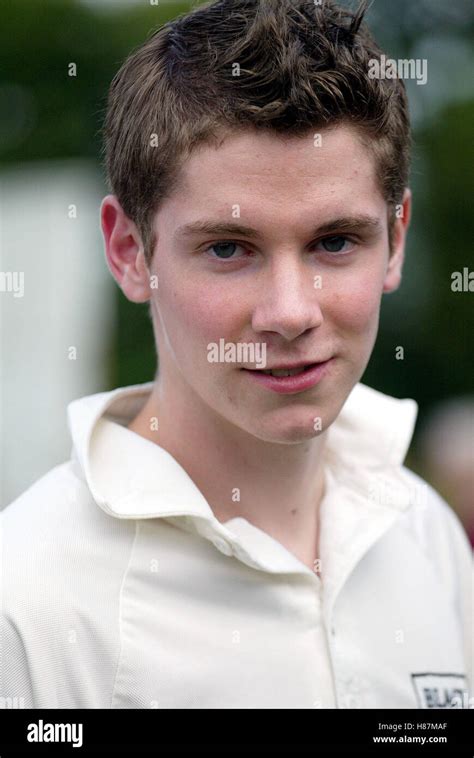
(289, 385)
(279, 366)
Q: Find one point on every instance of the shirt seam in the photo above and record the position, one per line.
(122, 586)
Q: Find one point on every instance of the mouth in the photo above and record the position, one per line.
(291, 380)
(287, 371)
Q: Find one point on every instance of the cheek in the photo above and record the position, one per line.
(355, 306)
(195, 316)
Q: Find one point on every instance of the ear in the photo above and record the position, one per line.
(393, 274)
(124, 251)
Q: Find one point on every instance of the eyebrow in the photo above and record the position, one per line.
(362, 223)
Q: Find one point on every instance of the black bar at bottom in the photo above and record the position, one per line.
(280, 732)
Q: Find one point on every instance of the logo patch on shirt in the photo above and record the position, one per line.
(441, 690)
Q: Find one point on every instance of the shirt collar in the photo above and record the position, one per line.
(371, 435)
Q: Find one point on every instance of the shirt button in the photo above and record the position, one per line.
(222, 545)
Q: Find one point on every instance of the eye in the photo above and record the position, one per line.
(225, 250)
(335, 244)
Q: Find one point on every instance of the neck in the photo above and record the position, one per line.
(276, 487)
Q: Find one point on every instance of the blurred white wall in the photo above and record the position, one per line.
(66, 305)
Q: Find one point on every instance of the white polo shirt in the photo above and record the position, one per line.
(121, 589)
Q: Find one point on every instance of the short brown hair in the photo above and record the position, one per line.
(301, 66)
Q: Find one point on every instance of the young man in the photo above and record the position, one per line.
(223, 537)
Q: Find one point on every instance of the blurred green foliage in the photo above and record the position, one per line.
(51, 115)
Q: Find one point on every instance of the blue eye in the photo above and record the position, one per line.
(226, 248)
(334, 244)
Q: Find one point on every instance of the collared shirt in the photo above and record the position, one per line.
(121, 589)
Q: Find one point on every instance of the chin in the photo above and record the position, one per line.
(291, 432)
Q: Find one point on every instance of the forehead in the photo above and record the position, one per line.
(260, 171)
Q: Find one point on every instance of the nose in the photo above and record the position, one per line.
(289, 302)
